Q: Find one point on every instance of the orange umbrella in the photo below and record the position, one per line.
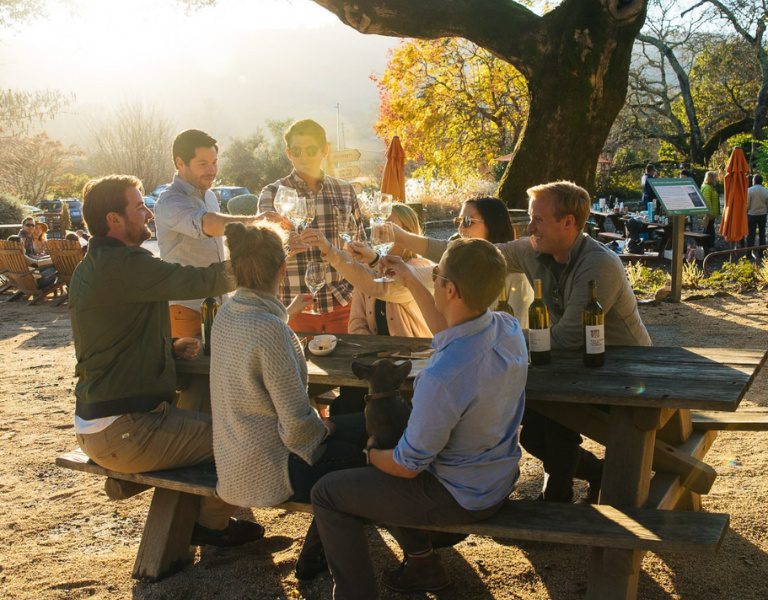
(733, 225)
(393, 180)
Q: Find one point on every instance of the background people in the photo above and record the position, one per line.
(712, 200)
(757, 211)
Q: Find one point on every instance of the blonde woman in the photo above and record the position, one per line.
(379, 308)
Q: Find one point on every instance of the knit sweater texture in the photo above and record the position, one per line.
(259, 401)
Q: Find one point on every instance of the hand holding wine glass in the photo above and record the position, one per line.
(315, 237)
(315, 279)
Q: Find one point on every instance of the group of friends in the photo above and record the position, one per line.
(133, 315)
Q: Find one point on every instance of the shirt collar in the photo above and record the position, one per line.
(299, 184)
(187, 187)
(465, 329)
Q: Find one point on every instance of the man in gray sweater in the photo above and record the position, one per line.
(565, 259)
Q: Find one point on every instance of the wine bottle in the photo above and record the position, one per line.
(593, 319)
(503, 303)
(538, 328)
(207, 313)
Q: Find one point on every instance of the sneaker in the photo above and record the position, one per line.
(237, 532)
(417, 574)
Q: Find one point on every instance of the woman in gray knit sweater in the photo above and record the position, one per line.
(270, 445)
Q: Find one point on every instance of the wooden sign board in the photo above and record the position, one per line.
(343, 156)
(347, 172)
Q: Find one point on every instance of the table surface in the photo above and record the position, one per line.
(659, 377)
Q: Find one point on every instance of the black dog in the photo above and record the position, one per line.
(386, 411)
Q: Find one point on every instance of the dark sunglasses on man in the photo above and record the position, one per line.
(28, 225)
(436, 275)
(310, 151)
(465, 221)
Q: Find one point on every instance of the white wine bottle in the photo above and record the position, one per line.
(538, 328)
(593, 321)
(503, 303)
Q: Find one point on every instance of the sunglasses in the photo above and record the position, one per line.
(435, 276)
(310, 151)
(28, 225)
(465, 221)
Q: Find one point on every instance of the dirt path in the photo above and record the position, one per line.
(62, 538)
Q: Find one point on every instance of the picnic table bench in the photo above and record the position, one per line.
(653, 461)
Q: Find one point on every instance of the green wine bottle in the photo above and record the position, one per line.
(538, 328)
(503, 303)
(207, 313)
(593, 321)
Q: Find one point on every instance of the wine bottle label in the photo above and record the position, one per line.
(594, 339)
(539, 340)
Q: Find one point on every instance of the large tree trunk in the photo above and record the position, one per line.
(576, 60)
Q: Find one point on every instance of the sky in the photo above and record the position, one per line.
(224, 69)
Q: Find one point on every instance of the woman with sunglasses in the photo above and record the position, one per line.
(488, 218)
(270, 445)
(26, 235)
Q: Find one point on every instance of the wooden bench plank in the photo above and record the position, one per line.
(741, 420)
(589, 525)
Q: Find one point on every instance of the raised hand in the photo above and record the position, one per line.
(315, 237)
(361, 252)
(299, 303)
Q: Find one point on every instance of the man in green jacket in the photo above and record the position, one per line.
(125, 419)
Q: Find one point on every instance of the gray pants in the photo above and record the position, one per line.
(344, 501)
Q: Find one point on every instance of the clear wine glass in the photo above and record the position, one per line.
(348, 231)
(298, 213)
(382, 240)
(310, 210)
(315, 280)
(382, 206)
(285, 199)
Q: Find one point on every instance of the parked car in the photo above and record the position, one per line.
(30, 211)
(75, 212)
(159, 190)
(225, 193)
(50, 205)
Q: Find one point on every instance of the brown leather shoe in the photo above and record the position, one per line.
(417, 574)
(237, 532)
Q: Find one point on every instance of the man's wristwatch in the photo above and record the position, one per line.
(367, 456)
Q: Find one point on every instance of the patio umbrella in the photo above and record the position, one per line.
(393, 180)
(733, 225)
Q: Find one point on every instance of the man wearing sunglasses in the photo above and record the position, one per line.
(565, 259)
(190, 228)
(457, 460)
(306, 147)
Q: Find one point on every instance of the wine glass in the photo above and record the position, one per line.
(315, 280)
(285, 199)
(382, 208)
(348, 231)
(298, 213)
(310, 211)
(382, 240)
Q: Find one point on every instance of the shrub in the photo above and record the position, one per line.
(738, 276)
(10, 209)
(693, 275)
(646, 280)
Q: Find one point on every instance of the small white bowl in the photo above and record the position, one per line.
(323, 345)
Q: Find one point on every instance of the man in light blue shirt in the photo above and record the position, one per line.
(190, 228)
(457, 460)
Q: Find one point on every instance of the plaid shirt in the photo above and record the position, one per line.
(333, 195)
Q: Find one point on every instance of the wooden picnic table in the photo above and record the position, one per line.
(639, 392)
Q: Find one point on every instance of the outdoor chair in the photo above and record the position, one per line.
(65, 256)
(26, 280)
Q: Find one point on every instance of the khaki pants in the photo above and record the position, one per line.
(164, 438)
(185, 322)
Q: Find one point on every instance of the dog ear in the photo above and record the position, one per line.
(361, 370)
(402, 371)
